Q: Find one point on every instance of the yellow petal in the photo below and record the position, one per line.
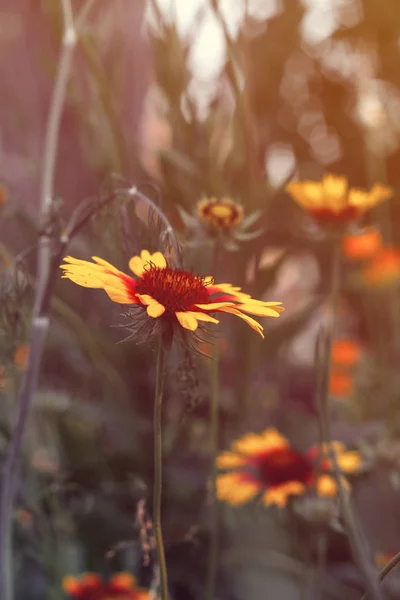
(200, 316)
(100, 275)
(214, 305)
(335, 192)
(188, 321)
(260, 310)
(230, 460)
(379, 193)
(158, 260)
(308, 194)
(253, 443)
(235, 489)
(155, 310)
(273, 439)
(137, 264)
(359, 199)
(279, 495)
(252, 322)
(326, 485)
(146, 299)
(349, 462)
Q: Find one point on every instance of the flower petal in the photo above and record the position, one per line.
(280, 494)
(230, 460)
(214, 305)
(252, 443)
(154, 308)
(187, 320)
(100, 275)
(260, 310)
(236, 489)
(137, 264)
(252, 322)
(200, 316)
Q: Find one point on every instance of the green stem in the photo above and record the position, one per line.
(214, 449)
(158, 468)
(352, 526)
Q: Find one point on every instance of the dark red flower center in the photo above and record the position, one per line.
(279, 466)
(176, 289)
(348, 213)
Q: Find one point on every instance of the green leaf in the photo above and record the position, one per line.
(250, 219)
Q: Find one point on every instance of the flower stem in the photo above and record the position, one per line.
(352, 526)
(158, 468)
(214, 448)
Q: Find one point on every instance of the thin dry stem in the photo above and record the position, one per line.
(40, 316)
(324, 352)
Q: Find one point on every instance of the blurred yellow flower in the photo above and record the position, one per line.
(332, 201)
(265, 465)
(220, 213)
(175, 296)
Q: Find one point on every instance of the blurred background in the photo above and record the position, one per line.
(186, 99)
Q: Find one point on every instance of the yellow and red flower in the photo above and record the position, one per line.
(265, 465)
(220, 213)
(171, 295)
(331, 200)
(122, 586)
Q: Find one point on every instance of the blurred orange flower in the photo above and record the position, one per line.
(346, 352)
(21, 355)
(332, 201)
(382, 559)
(175, 296)
(264, 464)
(383, 269)
(90, 586)
(341, 383)
(363, 245)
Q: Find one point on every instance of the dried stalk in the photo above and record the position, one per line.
(44, 286)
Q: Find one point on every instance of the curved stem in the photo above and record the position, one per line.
(386, 570)
(158, 468)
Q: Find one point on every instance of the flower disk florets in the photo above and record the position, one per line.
(176, 289)
(282, 465)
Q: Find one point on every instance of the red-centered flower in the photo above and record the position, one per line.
(220, 213)
(264, 464)
(171, 295)
(90, 586)
(331, 201)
